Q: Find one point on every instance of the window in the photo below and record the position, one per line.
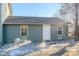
(23, 29)
(60, 30)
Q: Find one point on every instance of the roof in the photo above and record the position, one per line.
(32, 20)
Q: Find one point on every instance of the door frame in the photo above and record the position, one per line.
(48, 27)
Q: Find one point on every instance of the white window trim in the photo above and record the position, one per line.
(21, 32)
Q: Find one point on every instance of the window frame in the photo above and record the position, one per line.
(21, 30)
(59, 30)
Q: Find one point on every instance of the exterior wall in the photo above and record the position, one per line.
(0, 10)
(65, 31)
(71, 29)
(7, 8)
(0, 23)
(0, 34)
(11, 32)
(4, 12)
(54, 36)
(54, 31)
(35, 33)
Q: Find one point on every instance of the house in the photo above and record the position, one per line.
(71, 29)
(36, 29)
(5, 10)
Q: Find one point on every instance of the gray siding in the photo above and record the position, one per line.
(11, 32)
(65, 31)
(0, 23)
(54, 32)
(1, 41)
(35, 33)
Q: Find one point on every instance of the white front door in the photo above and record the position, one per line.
(46, 32)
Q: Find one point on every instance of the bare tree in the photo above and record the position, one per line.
(70, 11)
(76, 22)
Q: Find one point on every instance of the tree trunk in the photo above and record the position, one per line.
(76, 22)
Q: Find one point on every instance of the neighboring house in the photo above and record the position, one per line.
(5, 10)
(71, 30)
(36, 29)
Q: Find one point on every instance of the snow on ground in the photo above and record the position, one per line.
(47, 51)
(73, 51)
(6, 49)
(28, 48)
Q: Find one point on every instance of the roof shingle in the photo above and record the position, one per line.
(32, 20)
